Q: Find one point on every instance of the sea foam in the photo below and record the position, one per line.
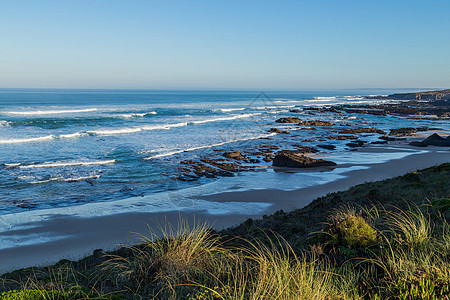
(67, 164)
(49, 112)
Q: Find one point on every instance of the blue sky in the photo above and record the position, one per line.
(225, 44)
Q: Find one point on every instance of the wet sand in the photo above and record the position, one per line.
(83, 235)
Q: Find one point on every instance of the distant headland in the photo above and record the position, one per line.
(427, 95)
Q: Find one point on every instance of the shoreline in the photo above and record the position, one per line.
(84, 235)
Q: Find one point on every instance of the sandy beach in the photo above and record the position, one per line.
(81, 236)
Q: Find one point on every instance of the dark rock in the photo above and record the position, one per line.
(312, 108)
(342, 137)
(295, 110)
(288, 160)
(276, 130)
(379, 142)
(433, 140)
(390, 139)
(409, 130)
(234, 155)
(315, 123)
(328, 147)
(332, 109)
(254, 161)
(289, 120)
(362, 130)
(356, 144)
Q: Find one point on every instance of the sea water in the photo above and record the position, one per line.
(62, 149)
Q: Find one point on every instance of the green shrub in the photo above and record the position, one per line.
(349, 229)
(28, 295)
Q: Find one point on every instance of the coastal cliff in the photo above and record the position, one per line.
(442, 95)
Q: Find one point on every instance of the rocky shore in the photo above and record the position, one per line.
(294, 152)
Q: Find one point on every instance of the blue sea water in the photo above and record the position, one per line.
(63, 148)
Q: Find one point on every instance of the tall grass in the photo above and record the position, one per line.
(165, 263)
(408, 259)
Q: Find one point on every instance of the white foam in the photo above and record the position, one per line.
(136, 129)
(72, 135)
(231, 109)
(12, 165)
(82, 178)
(325, 98)
(173, 152)
(28, 140)
(4, 123)
(275, 107)
(287, 101)
(224, 118)
(59, 178)
(115, 131)
(45, 181)
(137, 115)
(49, 112)
(67, 164)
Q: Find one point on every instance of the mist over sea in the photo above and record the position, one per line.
(63, 148)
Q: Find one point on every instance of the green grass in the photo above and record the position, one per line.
(380, 240)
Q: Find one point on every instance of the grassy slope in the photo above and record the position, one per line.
(296, 227)
(165, 266)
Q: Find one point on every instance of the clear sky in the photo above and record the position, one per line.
(168, 44)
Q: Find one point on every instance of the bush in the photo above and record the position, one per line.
(347, 228)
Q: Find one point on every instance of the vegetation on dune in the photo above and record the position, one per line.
(380, 240)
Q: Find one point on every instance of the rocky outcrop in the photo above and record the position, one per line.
(342, 137)
(315, 123)
(362, 130)
(356, 144)
(328, 147)
(429, 95)
(433, 140)
(289, 160)
(234, 155)
(409, 130)
(276, 130)
(390, 139)
(289, 120)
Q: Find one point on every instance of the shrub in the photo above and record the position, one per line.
(348, 228)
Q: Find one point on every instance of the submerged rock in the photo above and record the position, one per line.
(289, 120)
(288, 160)
(362, 130)
(276, 130)
(268, 157)
(234, 155)
(328, 147)
(315, 123)
(356, 144)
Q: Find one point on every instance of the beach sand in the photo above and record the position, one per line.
(83, 235)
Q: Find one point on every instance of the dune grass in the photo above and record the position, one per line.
(355, 250)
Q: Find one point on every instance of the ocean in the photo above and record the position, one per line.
(62, 149)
